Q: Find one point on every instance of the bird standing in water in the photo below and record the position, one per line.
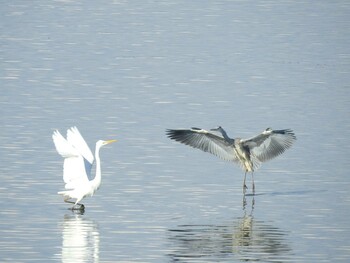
(78, 160)
(249, 153)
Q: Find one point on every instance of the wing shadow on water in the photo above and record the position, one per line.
(243, 239)
(80, 239)
(296, 192)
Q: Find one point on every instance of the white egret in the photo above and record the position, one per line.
(249, 153)
(78, 160)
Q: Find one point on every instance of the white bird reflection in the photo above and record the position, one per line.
(81, 239)
(244, 239)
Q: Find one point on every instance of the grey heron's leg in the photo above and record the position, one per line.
(244, 185)
(244, 202)
(253, 185)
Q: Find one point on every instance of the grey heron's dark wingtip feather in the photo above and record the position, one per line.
(170, 132)
(291, 133)
(176, 135)
(286, 132)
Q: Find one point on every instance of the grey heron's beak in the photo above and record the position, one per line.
(216, 129)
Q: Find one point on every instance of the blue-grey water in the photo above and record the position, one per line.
(128, 70)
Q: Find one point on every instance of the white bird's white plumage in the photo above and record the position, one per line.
(78, 160)
(74, 168)
(248, 153)
(77, 141)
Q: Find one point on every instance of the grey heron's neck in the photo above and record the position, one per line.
(224, 134)
(237, 140)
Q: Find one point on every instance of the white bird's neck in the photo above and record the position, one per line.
(97, 179)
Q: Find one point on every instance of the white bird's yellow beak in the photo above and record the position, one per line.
(110, 141)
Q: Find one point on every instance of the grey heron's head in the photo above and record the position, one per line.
(219, 128)
(267, 131)
(223, 133)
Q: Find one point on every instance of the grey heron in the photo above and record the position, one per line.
(248, 153)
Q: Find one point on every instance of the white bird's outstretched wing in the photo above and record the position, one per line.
(74, 171)
(205, 141)
(77, 141)
(270, 143)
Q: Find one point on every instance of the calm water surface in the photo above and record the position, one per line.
(128, 70)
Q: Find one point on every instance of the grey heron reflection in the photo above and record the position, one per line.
(244, 238)
(248, 153)
(80, 239)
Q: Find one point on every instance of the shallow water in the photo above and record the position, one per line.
(128, 71)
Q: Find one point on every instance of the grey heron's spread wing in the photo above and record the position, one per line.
(205, 141)
(270, 143)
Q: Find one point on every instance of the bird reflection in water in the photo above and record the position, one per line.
(243, 239)
(81, 239)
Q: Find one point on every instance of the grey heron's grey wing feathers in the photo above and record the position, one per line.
(205, 141)
(270, 143)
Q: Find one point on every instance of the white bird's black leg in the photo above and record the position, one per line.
(69, 202)
(77, 206)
